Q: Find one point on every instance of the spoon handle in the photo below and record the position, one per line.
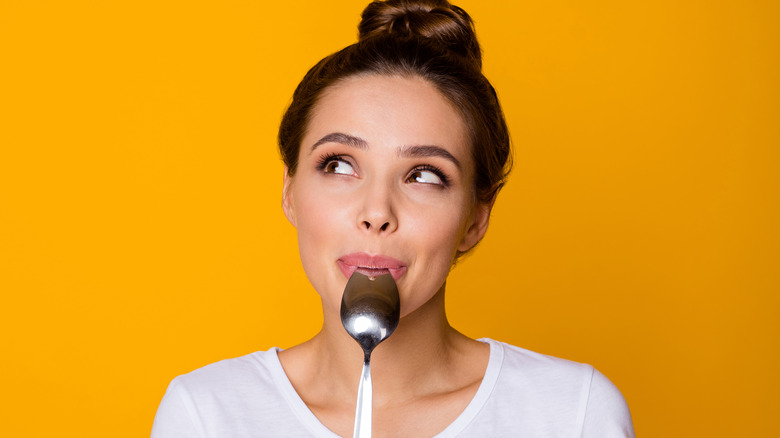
(365, 396)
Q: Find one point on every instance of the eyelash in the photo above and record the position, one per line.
(445, 181)
(329, 157)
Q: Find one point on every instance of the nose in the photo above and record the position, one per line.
(377, 214)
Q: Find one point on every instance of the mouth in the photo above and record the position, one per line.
(372, 266)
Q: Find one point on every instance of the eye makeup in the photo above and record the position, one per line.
(445, 180)
(326, 159)
(324, 162)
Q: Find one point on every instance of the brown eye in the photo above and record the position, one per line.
(339, 167)
(423, 177)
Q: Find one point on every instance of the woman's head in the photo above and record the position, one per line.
(428, 39)
(395, 149)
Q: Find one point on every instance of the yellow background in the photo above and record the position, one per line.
(141, 235)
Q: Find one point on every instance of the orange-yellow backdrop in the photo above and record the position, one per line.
(141, 234)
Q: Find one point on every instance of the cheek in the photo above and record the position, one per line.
(318, 224)
(435, 236)
(438, 236)
(439, 228)
(321, 228)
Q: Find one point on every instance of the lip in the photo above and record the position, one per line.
(371, 265)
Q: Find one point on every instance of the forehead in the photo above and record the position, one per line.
(389, 110)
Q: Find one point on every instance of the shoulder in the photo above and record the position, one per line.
(228, 375)
(607, 412)
(540, 371)
(215, 396)
(559, 394)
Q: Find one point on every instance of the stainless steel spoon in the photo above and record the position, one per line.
(370, 310)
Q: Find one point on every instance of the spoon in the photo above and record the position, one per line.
(370, 310)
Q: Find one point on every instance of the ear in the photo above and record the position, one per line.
(287, 201)
(476, 230)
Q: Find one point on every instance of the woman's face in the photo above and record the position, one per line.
(384, 184)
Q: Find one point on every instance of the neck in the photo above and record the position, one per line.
(413, 360)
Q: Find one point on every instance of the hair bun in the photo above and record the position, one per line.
(435, 20)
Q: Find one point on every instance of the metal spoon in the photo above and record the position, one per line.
(370, 310)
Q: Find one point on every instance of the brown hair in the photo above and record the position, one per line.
(430, 39)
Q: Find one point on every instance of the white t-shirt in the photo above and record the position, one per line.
(523, 394)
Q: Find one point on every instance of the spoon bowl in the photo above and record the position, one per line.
(370, 309)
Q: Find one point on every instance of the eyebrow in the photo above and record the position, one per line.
(422, 151)
(415, 151)
(341, 138)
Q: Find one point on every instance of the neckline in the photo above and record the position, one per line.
(313, 424)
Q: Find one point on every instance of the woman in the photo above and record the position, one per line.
(395, 149)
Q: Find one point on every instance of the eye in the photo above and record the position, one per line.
(339, 167)
(336, 164)
(427, 175)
